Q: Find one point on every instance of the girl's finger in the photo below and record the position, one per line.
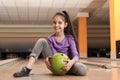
(66, 60)
(65, 68)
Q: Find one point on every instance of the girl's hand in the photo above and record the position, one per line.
(68, 65)
(47, 62)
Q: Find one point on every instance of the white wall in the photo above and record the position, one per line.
(22, 36)
(25, 30)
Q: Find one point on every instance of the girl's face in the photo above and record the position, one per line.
(59, 23)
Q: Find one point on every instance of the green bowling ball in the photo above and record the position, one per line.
(57, 62)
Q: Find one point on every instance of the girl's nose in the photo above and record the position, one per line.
(56, 24)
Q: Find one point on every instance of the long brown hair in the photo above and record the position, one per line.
(69, 30)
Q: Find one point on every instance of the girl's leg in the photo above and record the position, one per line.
(41, 45)
(30, 62)
(78, 69)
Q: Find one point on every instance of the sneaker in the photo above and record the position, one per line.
(24, 72)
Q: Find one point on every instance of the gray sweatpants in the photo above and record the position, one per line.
(42, 45)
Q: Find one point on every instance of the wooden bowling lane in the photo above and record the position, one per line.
(40, 72)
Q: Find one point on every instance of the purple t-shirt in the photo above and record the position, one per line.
(66, 46)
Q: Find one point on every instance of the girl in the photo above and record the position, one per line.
(63, 40)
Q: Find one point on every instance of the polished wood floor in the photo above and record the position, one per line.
(40, 72)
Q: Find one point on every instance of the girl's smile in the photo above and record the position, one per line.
(58, 24)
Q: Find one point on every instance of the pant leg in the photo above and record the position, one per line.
(41, 45)
(78, 69)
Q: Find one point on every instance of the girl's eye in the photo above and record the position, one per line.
(54, 22)
(60, 22)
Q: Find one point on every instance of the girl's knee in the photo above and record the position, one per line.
(80, 69)
(42, 40)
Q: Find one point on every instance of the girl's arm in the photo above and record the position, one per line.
(47, 62)
(69, 64)
(74, 52)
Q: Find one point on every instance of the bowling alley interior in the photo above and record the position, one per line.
(96, 25)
